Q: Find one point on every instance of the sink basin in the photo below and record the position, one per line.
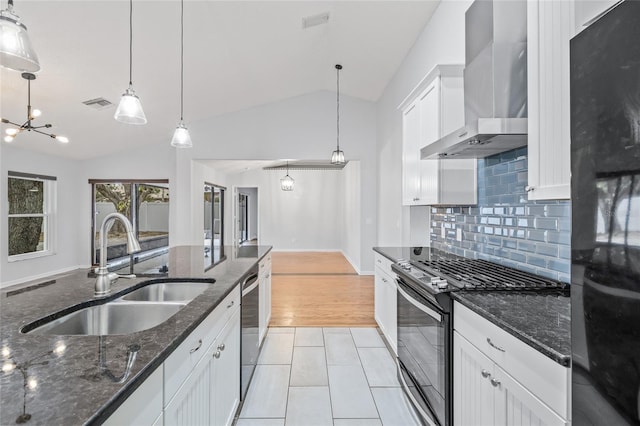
(168, 292)
(110, 318)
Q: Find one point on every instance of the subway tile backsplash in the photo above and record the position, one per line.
(505, 227)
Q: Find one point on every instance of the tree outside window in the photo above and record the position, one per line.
(30, 215)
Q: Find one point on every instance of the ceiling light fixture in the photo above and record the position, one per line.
(16, 52)
(130, 109)
(286, 183)
(181, 138)
(337, 157)
(12, 132)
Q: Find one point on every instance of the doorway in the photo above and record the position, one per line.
(247, 216)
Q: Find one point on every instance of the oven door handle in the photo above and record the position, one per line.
(435, 315)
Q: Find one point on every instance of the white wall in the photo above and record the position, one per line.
(441, 42)
(68, 232)
(303, 128)
(308, 218)
(352, 198)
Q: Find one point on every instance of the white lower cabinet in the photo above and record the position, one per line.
(211, 393)
(144, 405)
(264, 296)
(500, 380)
(484, 394)
(385, 301)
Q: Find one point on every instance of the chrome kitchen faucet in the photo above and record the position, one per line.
(104, 277)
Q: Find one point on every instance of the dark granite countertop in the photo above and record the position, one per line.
(542, 320)
(58, 379)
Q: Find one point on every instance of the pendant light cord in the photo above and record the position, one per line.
(130, 42)
(181, 58)
(338, 67)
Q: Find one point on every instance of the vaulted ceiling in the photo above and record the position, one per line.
(238, 54)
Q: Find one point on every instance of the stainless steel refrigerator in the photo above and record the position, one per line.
(605, 242)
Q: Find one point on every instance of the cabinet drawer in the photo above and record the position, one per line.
(180, 363)
(384, 264)
(542, 376)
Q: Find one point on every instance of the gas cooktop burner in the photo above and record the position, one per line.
(475, 274)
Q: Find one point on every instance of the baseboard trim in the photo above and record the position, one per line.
(47, 275)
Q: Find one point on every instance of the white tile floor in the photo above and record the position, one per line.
(331, 376)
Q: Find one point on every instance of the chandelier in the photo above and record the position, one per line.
(286, 183)
(32, 114)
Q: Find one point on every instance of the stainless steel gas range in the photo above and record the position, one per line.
(425, 321)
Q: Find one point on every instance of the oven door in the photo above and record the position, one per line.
(423, 355)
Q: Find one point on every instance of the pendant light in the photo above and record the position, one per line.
(181, 138)
(286, 183)
(338, 155)
(130, 109)
(32, 114)
(16, 52)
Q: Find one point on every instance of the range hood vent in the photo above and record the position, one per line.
(495, 83)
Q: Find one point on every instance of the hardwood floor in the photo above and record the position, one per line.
(319, 289)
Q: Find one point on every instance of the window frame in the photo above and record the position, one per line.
(49, 207)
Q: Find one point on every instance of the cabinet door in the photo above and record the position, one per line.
(391, 312)
(191, 403)
(515, 405)
(225, 378)
(550, 26)
(429, 110)
(410, 155)
(379, 293)
(262, 301)
(267, 300)
(473, 394)
(143, 406)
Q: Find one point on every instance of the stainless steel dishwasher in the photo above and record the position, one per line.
(250, 344)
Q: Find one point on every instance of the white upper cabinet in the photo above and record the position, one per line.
(587, 11)
(433, 109)
(550, 26)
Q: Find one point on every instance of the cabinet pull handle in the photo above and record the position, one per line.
(529, 188)
(485, 374)
(216, 354)
(379, 261)
(493, 345)
(495, 382)
(231, 304)
(221, 347)
(462, 134)
(197, 347)
(384, 280)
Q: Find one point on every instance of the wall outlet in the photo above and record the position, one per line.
(459, 234)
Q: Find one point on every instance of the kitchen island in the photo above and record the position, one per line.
(51, 379)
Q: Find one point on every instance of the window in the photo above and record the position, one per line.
(31, 215)
(146, 205)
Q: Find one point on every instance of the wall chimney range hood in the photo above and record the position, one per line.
(495, 83)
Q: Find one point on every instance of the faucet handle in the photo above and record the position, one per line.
(126, 275)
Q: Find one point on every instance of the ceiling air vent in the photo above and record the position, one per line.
(98, 103)
(312, 21)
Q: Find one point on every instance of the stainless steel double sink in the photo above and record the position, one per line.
(138, 310)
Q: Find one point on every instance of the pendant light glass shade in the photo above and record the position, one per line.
(337, 157)
(286, 183)
(181, 138)
(16, 51)
(130, 108)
